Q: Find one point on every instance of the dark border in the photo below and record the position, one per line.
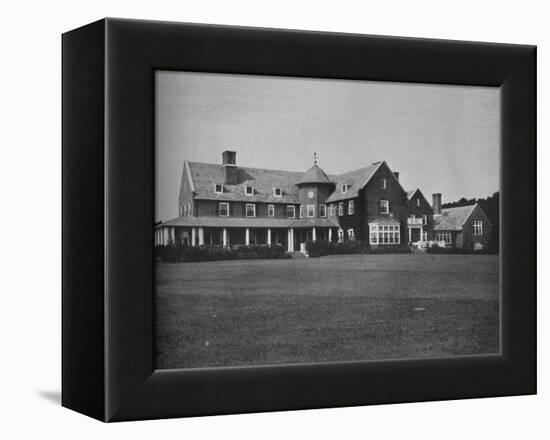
(134, 49)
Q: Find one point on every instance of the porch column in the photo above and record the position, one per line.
(193, 236)
(201, 236)
(269, 236)
(165, 236)
(410, 236)
(247, 237)
(329, 234)
(173, 234)
(314, 235)
(421, 232)
(290, 240)
(224, 237)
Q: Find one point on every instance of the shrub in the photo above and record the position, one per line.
(323, 247)
(185, 253)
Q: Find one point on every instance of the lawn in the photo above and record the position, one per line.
(334, 308)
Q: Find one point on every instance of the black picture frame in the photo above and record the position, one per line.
(108, 207)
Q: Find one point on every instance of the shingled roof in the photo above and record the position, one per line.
(314, 175)
(452, 219)
(357, 179)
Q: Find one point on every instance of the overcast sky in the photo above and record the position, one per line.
(440, 138)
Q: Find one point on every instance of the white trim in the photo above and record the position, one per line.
(384, 234)
(246, 210)
(387, 211)
(293, 211)
(384, 183)
(189, 175)
(246, 187)
(272, 208)
(340, 209)
(351, 207)
(312, 212)
(220, 185)
(275, 191)
(477, 225)
(220, 209)
(320, 211)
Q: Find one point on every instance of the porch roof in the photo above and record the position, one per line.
(245, 222)
(383, 221)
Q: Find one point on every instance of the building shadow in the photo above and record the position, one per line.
(52, 396)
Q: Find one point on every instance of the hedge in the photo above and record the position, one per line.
(184, 253)
(323, 247)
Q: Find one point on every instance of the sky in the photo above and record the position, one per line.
(439, 138)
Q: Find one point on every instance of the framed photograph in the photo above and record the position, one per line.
(263, 219)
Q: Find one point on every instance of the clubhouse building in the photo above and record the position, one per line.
(229, 205)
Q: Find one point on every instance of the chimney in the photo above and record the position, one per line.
(229, 164)
(436, 205)
(396, 174)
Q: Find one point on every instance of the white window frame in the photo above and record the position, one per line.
(220, 209)
(382, 235)
(341, 209)
(418, 201)
(271, 210)
(345, 187)
(385, 203)
(293, 211)
(312, 208)
(248, 187)
(384, 183)
(351, 207)
(216, 186)
(246, 210)
(351, 234)
(424, 236)
(302, 211)
(445, 236)
(189, 209)
(280, 192)
(424, 219)
(477, 227)
(322, 210)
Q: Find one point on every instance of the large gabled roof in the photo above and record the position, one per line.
(453, 219)
(357, 179)
(205, 175)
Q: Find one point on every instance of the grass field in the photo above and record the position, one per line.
(334, 308)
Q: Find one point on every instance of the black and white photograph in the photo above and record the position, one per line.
(302, 220)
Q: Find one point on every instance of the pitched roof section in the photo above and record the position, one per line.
(452, 219)
(357, 179)
(205, 175)
(411, 193)
(314, 175)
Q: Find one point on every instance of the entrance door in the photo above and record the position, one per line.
(415, 235)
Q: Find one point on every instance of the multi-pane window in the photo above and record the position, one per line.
(311, 210)
(384, 183)
(271, 210)
(424, 236)
(351, 207)
(341, 208)
(250, 210)
(424, 219)
(384, 207)
(322, 210)
(291, 211)
(345, 187)
(218, 188)
(384, 234)
(277, 192)
(302, 209)
(478, 227)
(249, 190)
(340, 235)
(224, 209)
(332, 211)
(443, 236)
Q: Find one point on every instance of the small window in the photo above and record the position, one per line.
(478, 227)
(311, 210)
(384, 207)
(418, 202)
(424, 219)
(341, 208)
(250, 210)
(249, 190)
(322, 210)
(218, 188)
(345, 187)
(189, 209)
(302, 211)
(271, 210)
(351, 235)
(224, 209)
(351, 207)
(277, 192)
(384, 183)
(291, 211)
(424, 236)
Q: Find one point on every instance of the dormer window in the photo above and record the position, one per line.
(218, 188)
(249, 190)
(345, 187)
(277, 192)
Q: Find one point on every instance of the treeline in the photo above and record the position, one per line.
(491, 207)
